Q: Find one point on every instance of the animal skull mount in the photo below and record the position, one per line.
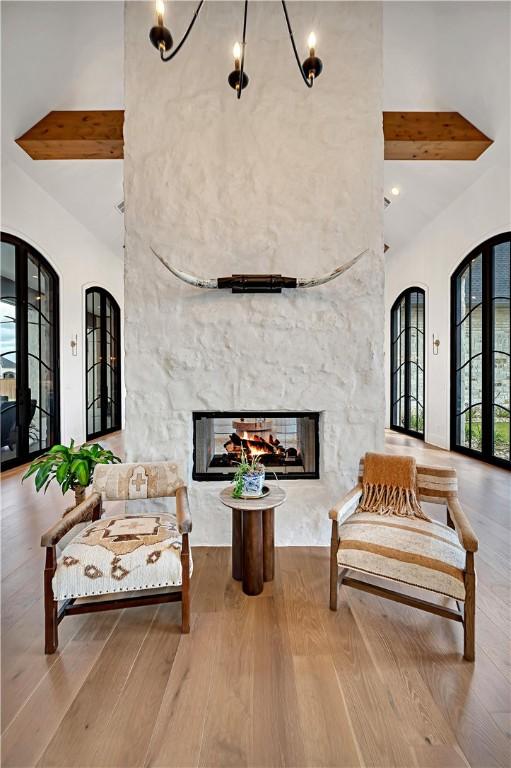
(258, 283)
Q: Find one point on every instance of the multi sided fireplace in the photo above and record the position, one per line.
(287, 443)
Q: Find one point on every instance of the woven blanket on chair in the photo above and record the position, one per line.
(390, 486)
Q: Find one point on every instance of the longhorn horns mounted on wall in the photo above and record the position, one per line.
(258, 283)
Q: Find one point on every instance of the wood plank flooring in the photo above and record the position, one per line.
(275, 680)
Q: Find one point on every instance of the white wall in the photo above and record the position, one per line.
(481, 211)
(286, 180)
(80, 262)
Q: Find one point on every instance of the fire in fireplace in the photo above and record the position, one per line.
(287, 443)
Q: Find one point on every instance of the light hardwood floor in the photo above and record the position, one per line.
(275, 680)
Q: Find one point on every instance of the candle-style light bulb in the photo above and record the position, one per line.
(160, 10)
(311, 42)
(159, 35)
(235, 80)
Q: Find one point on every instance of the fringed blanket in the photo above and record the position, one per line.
(390, 484)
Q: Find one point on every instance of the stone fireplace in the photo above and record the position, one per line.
(287, 180)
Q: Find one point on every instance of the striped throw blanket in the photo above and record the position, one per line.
(390, 486)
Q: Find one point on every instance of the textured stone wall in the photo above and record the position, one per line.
(287, 180)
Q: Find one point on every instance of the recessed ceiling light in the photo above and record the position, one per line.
(395, 191)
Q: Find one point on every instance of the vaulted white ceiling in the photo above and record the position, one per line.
(444, 56)
(437, 56)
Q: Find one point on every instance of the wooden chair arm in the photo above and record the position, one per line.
(80, 514)
(347, 505)
(183, 514)
(466, 534)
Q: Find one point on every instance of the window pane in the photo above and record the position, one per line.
(407, 387)
(476, 379)
(501, 430)
(463, 342)
(413, 343)
(420, 419)
(501, 379)
(420, 313)
(414, 380)
(46, 292)
(8, 402)
(463, 389)
(501, 321)
(476, 330)
(463, 294)
(103, 362)
(501, 269)
(476, 428)
(401, 415)
(34, 432)
(476, 281)
(463, 430)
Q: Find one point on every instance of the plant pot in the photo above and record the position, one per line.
(253, 484)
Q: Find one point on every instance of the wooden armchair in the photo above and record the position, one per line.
(429, 555)
(123, 553)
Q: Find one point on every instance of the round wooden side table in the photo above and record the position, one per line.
(253, 540)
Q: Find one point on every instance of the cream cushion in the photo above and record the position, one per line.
(421, 553)
(120, 554)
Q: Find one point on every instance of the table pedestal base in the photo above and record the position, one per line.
(253, 552)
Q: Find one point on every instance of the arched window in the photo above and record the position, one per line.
(407, 363)
(480, 378)
(103, 363)
(29, 348)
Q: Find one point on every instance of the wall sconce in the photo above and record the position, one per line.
(74, 345)
(436, 344)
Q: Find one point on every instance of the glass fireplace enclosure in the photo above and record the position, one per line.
(287, 443)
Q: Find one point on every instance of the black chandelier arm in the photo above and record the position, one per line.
(308, 82)
(242, 63)
(183, 40)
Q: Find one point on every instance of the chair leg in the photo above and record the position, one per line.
(185, 587)
(470, 610)
(51, 631)
(334, 544)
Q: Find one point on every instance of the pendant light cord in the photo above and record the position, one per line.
(242, 64)
(307, 82)
(183, 40)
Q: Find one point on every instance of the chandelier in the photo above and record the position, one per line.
(162, 40)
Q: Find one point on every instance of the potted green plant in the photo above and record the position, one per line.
(71, 466)
(249, 477)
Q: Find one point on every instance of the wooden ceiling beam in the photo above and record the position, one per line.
(432, 136)
(98, 135)
(76, 135)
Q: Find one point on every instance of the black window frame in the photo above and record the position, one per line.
(406, 295)
(22, 252)
(485, 249)
(117, 412)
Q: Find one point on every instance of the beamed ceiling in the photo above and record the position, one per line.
(444, 58)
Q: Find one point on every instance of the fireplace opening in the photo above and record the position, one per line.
(287, 443)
